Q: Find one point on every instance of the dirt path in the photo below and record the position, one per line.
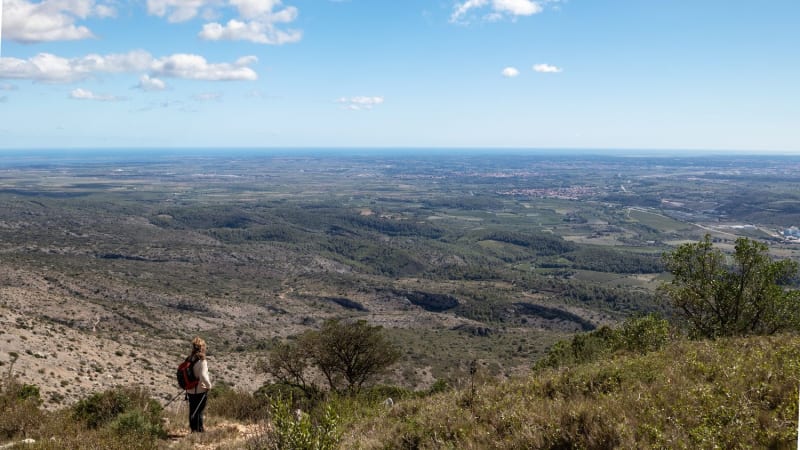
(224, 434)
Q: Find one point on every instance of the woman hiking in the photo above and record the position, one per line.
(198, 395)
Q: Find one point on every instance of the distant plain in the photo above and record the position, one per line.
(111, 261)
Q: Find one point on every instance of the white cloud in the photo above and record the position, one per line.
(50, 20)
(546, 68)
(250, 9)
(83, 94)
(195, 67)
(260, 24)
(49, 68)
(360, 102)
(462, 9)
(105, 11)
(257, 21)
(7, 87)
(517, 7)
(253, 31)
(133, 61)
(510, 72)
(496, 9)
(150, 84)
(178, 10)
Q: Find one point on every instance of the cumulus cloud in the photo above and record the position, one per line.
(262, 18)
(360, 102)
(49, 68)
(178, 10)
(195, 67)
(495, 9)
(150, 84)
(258, 21)
(546, 68)
(251, 9)
(50, 20)
(83, 94)
(510, 72)
(254, 31)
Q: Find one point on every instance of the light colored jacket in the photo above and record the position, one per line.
(200, 370)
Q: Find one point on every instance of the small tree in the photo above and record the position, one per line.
(353, 351)
(348, 355)
(721, 295)
(288, 363)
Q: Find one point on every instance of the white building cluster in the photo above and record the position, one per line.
(792, 233)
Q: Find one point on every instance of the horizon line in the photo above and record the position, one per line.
(628, 151)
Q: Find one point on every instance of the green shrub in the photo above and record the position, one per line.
(645, 334)
(379, 393)
(305, 399)
(19, 404)
(582, 348)
(298, 430)
(637, 335)
(137, 423)
(237, 405)
(440, 385)
(29, 391)
(101, 408)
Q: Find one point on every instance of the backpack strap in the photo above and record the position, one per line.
(193, 359)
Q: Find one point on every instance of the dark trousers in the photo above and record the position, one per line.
(197, 404)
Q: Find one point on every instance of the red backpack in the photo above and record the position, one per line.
(186, 377)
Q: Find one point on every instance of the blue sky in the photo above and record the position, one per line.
(615, 74)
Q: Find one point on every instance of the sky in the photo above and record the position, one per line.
(549, 74)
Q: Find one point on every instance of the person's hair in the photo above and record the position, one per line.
(199, 347)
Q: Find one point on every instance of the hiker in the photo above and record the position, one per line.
(198, 394)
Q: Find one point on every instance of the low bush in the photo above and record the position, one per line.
(296, 430)
(19, 404)
(126, 411)
(379, 393)
(227, 402)
(637, 335)
(304, 399)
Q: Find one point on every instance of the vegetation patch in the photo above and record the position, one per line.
(346, 303)
(549, 313)
(431, 301)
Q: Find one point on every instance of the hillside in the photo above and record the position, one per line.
(729, 393)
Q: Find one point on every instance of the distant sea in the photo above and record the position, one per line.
(101, 155)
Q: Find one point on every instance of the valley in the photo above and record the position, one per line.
(110, 262)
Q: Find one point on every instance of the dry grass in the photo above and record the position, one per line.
(733, 393)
